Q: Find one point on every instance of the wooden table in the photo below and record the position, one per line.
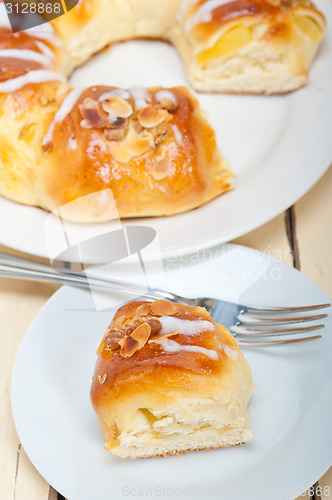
(302, 236)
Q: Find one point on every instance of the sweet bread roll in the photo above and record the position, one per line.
(169, 380)
(151, 151)
(250, 46)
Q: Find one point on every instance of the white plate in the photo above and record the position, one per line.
(290, 411)
(277, 146)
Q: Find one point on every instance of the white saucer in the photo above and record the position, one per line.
(290, 411)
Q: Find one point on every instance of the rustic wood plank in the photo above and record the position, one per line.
(313, 214)
(289, 238)
(305, 496)
(19, 303)
(271, 239)
(326, 485)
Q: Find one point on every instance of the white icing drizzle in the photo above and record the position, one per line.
(27, 55)
(231, 353)
(185, 326)
(45, 32)
(203, 14)
(4, 20)
(65, 108)
(177, 135)
(124, 94)
(34, 76)
(169, 345)
(140, 95)
(166, 94)
(72, 143)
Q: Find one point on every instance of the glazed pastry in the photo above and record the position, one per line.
(151, 151)
(169, 380)
(250, 46)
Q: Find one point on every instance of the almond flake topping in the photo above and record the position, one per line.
(162, 169)
(117, 106)
(143, 309)
(150, 117)
(159, 338)
(163, 308)
(141, 334)
(128, 346)
(102, 378)
(203, 313)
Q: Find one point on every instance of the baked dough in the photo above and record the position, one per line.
(78, 150)
(250, 46)
(179, 382)
(59, 146)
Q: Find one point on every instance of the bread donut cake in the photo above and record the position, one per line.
(169, 380)
(150, 151)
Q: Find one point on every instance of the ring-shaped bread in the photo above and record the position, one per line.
(151, 151)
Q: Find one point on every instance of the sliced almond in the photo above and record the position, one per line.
(163, 308)
(143, 309)
(102, 378)
(117, 106)
(138, 146)
(202, 312)
(141, 334)
(162, 169)
(150, 117)
(120, 152)
(128, 347)
(156, 340)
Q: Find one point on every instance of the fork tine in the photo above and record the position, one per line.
(284, 309)
(269, 343)
(242, 330)
(253, 320)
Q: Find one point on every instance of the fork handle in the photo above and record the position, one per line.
(17, 267)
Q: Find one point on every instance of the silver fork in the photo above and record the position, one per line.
(243, 321)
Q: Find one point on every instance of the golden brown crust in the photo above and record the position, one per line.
(273, 12)
(158, 161)
(148, 364)
(120, 370)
